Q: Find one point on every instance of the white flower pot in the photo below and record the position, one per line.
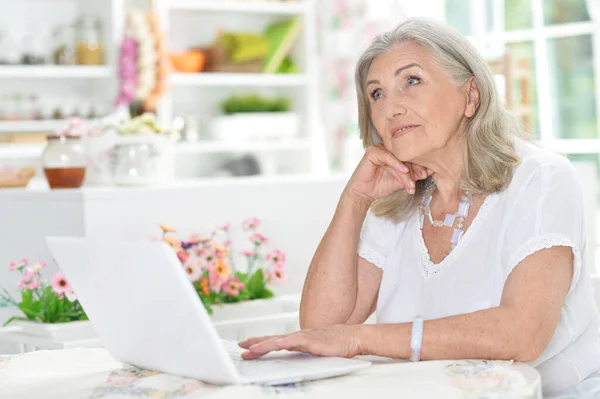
(64, 331)
(254, 126)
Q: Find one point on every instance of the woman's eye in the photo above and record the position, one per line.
(376, 94)
(413, 80)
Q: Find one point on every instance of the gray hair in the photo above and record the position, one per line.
(490, 157)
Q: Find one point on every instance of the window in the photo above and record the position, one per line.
(553, 54)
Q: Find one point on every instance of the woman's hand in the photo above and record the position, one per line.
(380, 173)
(339, 341)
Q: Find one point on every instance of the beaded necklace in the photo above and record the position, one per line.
(461, 214)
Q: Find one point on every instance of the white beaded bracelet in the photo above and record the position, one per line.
(416, 339)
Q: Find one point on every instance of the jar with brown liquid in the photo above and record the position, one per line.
(89, 49)
(64, 161)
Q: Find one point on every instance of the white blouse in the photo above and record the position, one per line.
(542, 207)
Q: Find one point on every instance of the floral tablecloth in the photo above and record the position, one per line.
(92, 374)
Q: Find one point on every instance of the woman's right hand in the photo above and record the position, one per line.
(380, 173)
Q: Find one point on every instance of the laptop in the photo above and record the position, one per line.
(147, 313)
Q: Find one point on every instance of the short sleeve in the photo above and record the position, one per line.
(376, 239)
(547, 212)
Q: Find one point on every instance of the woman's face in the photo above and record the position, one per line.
(415, 106)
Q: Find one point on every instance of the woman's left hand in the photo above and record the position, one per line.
(338, 341)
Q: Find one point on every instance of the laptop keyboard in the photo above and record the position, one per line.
(277, 364)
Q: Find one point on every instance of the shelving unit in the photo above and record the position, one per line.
(55, 72)
(275, 8)
(238, 79)
(198, 92)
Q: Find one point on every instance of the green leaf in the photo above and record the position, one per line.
(13, 319)
(255, 284)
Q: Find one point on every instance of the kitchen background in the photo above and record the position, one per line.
(247, 105)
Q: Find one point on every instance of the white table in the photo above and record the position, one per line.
(92, 373)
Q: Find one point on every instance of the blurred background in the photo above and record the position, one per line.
(117, 115)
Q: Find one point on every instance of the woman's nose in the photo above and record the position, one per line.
(396, 108)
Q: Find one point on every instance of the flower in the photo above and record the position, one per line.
(183, 256)
(173, 242)
(18, 265)
(276, 257)
(224, 227)
(258, 239)
(38, 266)
(71, 296)
(233, 286)
(250, 224)
(248, 252)
(30, 280)
(222, 269)
(220, 250)
(60, 285)
(167, 229)
(266, 276)
(208, 256)
(204, 286)
(193, 269)
(214, 281)
(278, 275)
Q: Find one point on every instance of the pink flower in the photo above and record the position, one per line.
(18, 265)
(214, 281)
(233, 287)
(71, 296)
(193, 269)
(277, 258)
(248, 252)
(30, 280)
(278, 275)
(37, 267)
(208, 256)
(224, 227)
(250, 224)
(258, 239)
(183, 256)
(60, 285)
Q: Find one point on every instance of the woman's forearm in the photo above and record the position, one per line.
(487, 334)
(330, 289)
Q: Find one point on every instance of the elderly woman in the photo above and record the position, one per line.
(465, 239)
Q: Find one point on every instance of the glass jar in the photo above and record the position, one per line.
(64, 46)
(64, 161)
(135, 164)
(89, 49)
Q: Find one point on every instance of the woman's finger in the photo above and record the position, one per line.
(379, 156)
(290, 342)
(255, 340)
(405, 179)
(418, 172)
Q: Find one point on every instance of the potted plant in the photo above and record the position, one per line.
(254, 117)
(226, 291)
(49, 309)
(143, 150)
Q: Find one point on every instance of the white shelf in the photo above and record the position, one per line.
(238, 79)
(32, 126)
(246, 7)
(242, 147)
(57, 72)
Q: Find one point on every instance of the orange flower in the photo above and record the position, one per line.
(221, 251)
(222, 270)
(173, 242)
(204, 282)
(205, 291)
(167, 229)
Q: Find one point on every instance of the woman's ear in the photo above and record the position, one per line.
(472, 92)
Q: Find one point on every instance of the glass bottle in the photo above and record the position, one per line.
(64, 161)
(89, 49)
(64, 46)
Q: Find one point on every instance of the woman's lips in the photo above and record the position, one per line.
(400, 133)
